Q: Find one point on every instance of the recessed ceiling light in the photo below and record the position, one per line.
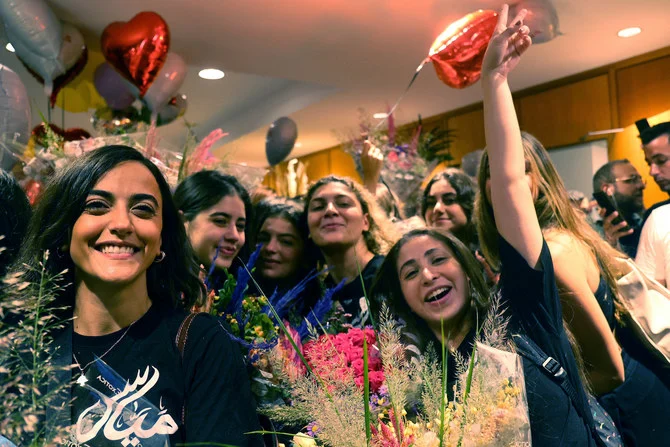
(629, 32)
(10, 47)
(211, 73)
(298, 144)
(380, 116)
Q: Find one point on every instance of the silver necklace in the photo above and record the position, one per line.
(82, 377)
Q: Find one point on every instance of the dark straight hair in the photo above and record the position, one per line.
(174, 282)
(204, 189)
(15, 214)
(386, 287)
(466, 191)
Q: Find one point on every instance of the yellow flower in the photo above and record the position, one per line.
(429, 439)
(303, 440)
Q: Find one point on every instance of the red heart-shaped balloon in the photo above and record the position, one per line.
(458, 52)
(137, 49)
(33, 189)
(71, 134)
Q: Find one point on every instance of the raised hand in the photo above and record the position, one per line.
(507, 44)
(372, 161)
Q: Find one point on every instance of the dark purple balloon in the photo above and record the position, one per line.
(118, 92)
(280, 140)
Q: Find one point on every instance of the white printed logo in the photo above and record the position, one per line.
(121, 418)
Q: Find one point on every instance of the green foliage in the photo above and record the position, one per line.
(435, 144)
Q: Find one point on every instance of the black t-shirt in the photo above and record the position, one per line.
(535, 310)
(352, 297)
(143, 393)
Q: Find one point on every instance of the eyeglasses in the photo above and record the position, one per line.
(632, 180)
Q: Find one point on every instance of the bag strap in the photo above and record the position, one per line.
(529, 349)
(180, 341)
(182, 333)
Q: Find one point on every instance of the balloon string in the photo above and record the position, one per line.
(397, 103)
(62, 113)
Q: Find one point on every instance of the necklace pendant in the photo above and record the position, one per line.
(82, 379)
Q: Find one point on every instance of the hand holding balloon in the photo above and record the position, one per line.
(507, 45)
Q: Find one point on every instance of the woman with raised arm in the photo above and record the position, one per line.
(527, 282)
(146, 373)
(433, 283)
(586, 269)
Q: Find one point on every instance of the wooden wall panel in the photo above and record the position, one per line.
(468, 133)
(563, 115)
(643, 90)
(318, 164)
(342, 164)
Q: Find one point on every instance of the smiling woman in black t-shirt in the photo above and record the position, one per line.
(109, 219)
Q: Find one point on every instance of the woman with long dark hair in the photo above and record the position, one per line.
(448, 202)
(284, 260)
(109, 221)
(215, 209)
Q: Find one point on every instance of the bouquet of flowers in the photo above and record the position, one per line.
(408, 160)
(404, 400)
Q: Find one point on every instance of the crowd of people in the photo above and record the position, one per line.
(134, 253)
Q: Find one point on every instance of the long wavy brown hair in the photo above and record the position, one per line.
(382, 233)
(554, 212)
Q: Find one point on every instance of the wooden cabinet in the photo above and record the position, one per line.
(563, 115)
(643, 90)
(342, 164)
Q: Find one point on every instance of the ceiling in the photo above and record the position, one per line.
(319, 62)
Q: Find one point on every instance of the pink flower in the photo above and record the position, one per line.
(376, 379)
(354, 354)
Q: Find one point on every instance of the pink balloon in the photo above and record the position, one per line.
(166, 85)
(118, 92)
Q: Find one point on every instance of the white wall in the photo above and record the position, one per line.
(577, 163)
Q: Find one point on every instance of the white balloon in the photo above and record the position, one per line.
(50, 68)
(14, 117)
(166, 85)
(34, 24)
(541, 19)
